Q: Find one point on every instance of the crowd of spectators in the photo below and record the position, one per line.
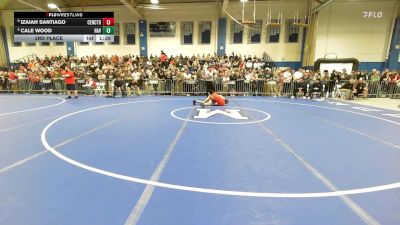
(41, 73)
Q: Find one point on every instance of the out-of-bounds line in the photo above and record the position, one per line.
(323, 107)
(141, 204)
(366, 105)
(361, 213)
(27, 124)
(354, 131)
(29, 158)
(34, 109)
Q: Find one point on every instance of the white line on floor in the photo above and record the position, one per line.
(29, 158)
(361, 213)
(27, 124)
(141, 204)
(357, 132)
(34, 109)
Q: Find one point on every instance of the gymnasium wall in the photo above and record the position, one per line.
(343, 30)
(18, 52)
(281, 52)
(121, 15)
(286, 54)
(172, 46)
(183, 13)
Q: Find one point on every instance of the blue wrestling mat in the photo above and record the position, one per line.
(162, 161)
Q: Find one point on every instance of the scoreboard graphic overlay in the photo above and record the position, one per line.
(64, 26)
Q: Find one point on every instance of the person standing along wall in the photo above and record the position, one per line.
(163, 58)
(70, 82)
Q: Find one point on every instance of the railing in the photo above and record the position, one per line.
(259, 87)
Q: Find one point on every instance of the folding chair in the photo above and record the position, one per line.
(100, 89)
(341, 94)
(337, 93)
(315, 95)
(300, 94)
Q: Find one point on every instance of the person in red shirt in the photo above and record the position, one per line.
(213, 99)
(70, 82)
(31, 65)
(13, 80)
(164, 59)
(12, 75)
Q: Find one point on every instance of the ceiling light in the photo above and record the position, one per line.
(53, 6)
(244, 1)
(154, 1)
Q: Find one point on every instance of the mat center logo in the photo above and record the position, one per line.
(222, 115)
(233, 113)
